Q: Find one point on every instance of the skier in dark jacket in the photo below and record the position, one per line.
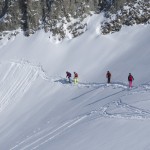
(68, 75)
(108, 76)
(130, 79)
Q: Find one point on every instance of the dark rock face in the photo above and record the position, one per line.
(130, 14)
(33, 14)
(57, 15)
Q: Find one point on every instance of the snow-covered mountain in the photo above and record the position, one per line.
(40, 110)
(60, 18)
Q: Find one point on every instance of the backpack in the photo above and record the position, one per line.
(69, 74)
(108, 75)
(130, 77)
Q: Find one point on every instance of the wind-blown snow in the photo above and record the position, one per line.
(40, 110)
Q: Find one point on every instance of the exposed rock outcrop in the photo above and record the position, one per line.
(67, 17)
(129, 14)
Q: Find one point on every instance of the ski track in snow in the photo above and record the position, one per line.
(122, 110)
(18, 77)
(44, 136)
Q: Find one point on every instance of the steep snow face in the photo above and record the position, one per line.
(90, 54)
(86, 117)
(39, 109)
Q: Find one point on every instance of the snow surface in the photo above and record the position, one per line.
(40, 110)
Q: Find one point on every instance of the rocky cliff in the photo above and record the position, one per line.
(67, 16)
(131, 13)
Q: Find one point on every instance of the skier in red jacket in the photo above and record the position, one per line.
(75, 78)
(130, 79)
(108, 76)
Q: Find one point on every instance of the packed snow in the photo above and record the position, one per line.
(40, 110)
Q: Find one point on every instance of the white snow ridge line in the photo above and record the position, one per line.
(15, 80)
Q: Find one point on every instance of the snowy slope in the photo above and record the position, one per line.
(40, 110)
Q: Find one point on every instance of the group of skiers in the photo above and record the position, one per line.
(68, 75)
(108, 76)
(130, 78)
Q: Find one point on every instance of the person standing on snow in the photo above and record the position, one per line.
(68, 75)
(75, 78)
(108, 76)
(130, 79)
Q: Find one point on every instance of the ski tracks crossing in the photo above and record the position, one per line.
(123, 111)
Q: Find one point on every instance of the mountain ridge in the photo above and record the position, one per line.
(67, 16)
